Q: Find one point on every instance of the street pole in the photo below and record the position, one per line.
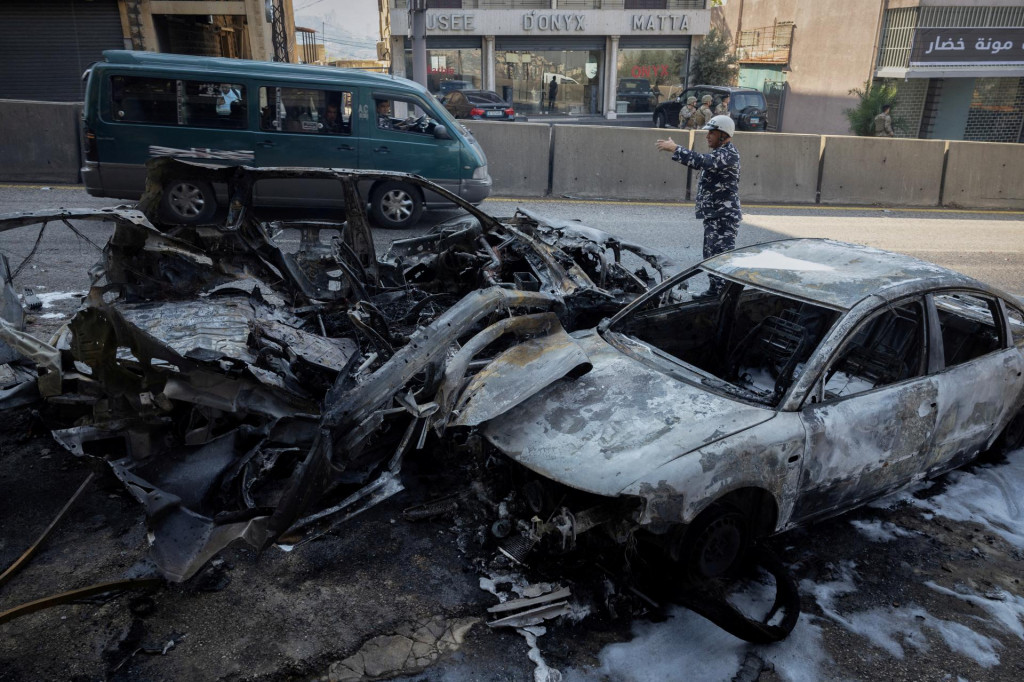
(418, 15)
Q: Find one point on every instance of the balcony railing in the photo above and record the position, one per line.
(898, 31)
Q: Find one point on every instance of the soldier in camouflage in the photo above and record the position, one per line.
(718, 191)
(687, 113)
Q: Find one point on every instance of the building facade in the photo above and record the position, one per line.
(517, 48)
(48, 44)
(807, 55)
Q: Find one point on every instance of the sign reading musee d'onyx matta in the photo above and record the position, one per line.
(949, 46)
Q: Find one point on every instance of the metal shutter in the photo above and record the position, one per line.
(46, 45)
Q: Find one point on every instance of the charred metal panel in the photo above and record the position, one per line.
(831, 273)
(610, 427)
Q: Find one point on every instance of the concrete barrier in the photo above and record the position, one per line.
(871, 170)
(774, 167)
(518, 156)
(612, 162)
(39, 141)
(984, 175)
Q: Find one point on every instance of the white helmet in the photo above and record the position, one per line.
(722, 122)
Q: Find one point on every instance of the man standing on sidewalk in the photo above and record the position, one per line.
(718, 186)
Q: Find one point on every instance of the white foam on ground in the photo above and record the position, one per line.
(50, 297)
(689, 647)
(881, 531)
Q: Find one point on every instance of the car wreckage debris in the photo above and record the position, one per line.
(242, 390)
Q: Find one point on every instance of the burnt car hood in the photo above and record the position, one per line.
(604, 430)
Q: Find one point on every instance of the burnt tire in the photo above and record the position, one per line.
(395, 205)
(716, 545)
(1012, 436)
(187, 202)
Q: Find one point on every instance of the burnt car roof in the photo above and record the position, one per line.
(832, 273)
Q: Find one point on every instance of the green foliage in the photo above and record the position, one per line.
(713, 61)
(871, 98)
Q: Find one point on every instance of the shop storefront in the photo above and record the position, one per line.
(557, 62)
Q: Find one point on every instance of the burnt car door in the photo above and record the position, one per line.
(981, 380)
(872, 414)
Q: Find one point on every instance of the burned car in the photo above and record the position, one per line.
(242, 389)
(766, 388)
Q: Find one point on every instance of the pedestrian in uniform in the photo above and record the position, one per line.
(883, 123)
(687, 113)
(723, 106)
(718, 187)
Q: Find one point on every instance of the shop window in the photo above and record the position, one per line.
(144, 100)
(968, 324)
(307, 111)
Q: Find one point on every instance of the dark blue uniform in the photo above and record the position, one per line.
(718, 194)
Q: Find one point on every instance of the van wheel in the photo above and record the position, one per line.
(188, 202)
(659, 119)
(395, 205)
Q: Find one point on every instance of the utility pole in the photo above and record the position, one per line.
(418, 16)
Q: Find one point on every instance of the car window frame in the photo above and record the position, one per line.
(815, 395)
(996, 308)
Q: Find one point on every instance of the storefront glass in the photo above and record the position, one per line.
(457, 69)
(663, 70)
(524, 78)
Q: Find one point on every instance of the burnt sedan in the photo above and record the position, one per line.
(765, 388)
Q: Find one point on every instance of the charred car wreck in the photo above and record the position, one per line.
(241, 390)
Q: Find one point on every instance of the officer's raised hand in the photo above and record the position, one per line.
(666, 145)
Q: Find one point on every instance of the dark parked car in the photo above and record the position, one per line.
(478, 104)
(746, 106)
(637, 93)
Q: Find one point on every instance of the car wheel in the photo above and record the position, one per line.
(659, 119)
(188, 202)
(395, 205)
(715, 545)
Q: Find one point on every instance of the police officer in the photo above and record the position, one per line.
(723, 106)
(883, 123)
(718, 186)
(687, 113)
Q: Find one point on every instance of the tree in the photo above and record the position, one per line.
(713, 61)
(871, 98)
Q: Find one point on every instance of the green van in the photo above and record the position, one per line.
(141, 105)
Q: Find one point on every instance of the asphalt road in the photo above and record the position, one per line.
(985, 245)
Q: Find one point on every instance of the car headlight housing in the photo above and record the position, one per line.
(480, 173)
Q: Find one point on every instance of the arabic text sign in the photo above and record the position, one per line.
(933, 46)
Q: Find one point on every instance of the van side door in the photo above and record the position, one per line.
(304, 126)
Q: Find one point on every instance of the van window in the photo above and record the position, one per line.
(144, 100)
(213, 105)
(404, 115)
(306, 110)
(164, 101)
